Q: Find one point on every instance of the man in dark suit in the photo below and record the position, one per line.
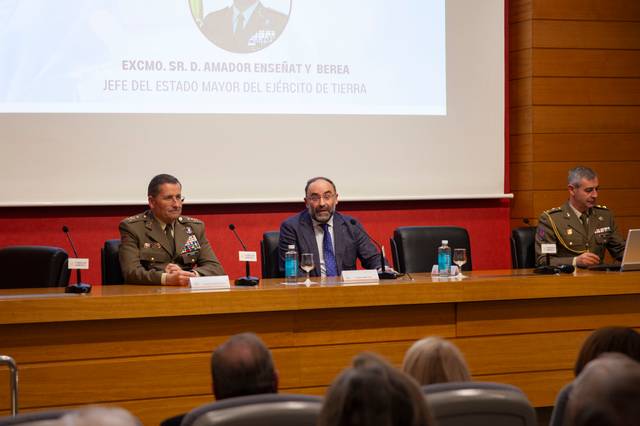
(161, 246)
(247, 26)
(335, 242)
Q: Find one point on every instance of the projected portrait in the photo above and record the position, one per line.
(241, 26)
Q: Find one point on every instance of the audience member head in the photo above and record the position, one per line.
(608, 339)
(243, 366)
(435, 360)
(372, 393)
(606, 393)
(92, 416)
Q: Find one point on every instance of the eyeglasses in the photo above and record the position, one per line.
(327, 196)
(170, 199)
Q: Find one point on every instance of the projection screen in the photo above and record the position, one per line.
(244, 100)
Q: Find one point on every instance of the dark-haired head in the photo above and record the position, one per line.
(243, 366)
(609, 339)
(372, 393)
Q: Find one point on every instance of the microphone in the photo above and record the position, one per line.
(247, 280)
(79, 286)
(383, 274)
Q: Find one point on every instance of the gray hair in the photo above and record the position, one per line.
(578, 173)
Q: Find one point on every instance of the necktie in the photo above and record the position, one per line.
(239, 23)
(172, 241)
(330, 266)
(585, 222)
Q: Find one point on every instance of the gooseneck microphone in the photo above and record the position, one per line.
(79, 286)
(383, 274)
(247, 280)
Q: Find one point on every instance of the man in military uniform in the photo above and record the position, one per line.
(580, 229)
(162, 247)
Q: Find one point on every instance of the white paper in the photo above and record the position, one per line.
(219, 282)
(247, 256)
(361, 276)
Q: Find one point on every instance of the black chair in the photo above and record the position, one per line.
(111, 271)
(270, 409)
(34, 266)
(560, 406)
(414, 248)
(479, 403)
(270, 255)
(523, 247)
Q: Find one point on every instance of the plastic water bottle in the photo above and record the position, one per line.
(291, 265)
(444, 259)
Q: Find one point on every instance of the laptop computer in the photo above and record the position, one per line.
(631, 257)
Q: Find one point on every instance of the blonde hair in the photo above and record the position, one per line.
(435, 360)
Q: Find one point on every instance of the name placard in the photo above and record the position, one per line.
(548, 249)
(78, 263)
(219, 282)
(363, 276)
(248, 256)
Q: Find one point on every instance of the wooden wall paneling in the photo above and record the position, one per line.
(134, 378)
(595, 10)
(583, 147)
(135, 337)
(520, 10)
(520, 120)
(547, 315)
(553, 175)
(584, 63)
(521, 147)
(520, 35)
(522, 204)
(585, 34)
(580, 91)
(586, 119)
(622, 202)
(519, 353)
(391, 323)
(520, 92)
(540, 388)
(520, 63)
(522, 177)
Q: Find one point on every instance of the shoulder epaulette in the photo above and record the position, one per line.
(601, 207)
(554, 210)
(187, 219)
(136, 218)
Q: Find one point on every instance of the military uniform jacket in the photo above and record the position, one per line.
(145, 250)
(561, 226)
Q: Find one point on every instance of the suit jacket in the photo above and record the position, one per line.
(145, 250)
(561, 226)
(263, 28)
(350, 242)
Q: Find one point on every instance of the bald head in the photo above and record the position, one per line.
(243, 366)
(606, 393)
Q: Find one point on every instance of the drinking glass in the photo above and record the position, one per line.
(460, 258)
(306, 263)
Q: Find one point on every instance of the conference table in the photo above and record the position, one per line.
(147, 348)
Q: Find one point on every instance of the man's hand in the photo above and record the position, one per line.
(587, 259)
(179, 278)
(171, 268)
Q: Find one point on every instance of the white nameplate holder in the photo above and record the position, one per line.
(548, 249)
(248, 256)
(361, 276)
(453, 271)
(78, 263)
(220, 282)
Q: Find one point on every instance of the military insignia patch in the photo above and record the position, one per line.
(147, 245)
(192, 245)
(541, 232)
(569, 231)
(188, 230)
